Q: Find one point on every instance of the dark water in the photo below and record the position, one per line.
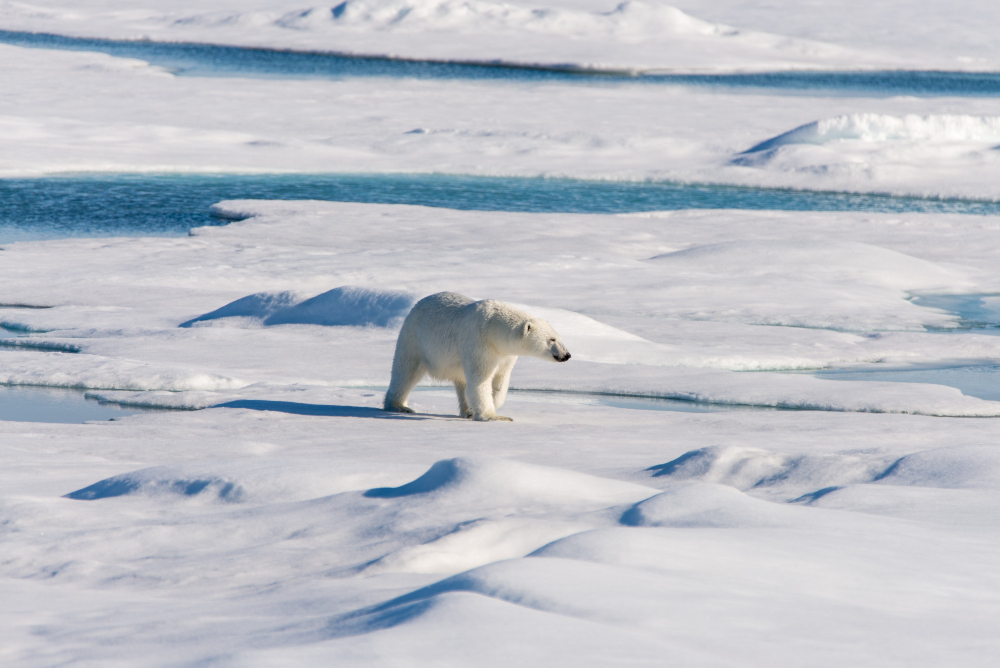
(142, 204)
(226, 61)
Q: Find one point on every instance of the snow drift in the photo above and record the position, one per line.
(884, 128)
(344, 306)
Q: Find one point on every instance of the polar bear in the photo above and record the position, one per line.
(473, 344)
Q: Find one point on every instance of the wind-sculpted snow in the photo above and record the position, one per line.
(231, 481)
(696, 505)
(956, 467)
(319, 540)
(343, 306)
(773, 472)
(865, 151)
(883, 128)
(473, 482)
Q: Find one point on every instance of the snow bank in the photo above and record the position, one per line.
(883, 128)
(343, 306)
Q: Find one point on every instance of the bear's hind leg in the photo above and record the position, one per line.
(463, 403)
(405, 376)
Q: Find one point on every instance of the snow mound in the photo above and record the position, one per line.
(829, 261)
(258, 306)
(629, 19)
(955, 467)
(263, 480)
(475, 544)
(711, 505)
(347, 305)
(885, 128)
(344, 306)
(754, 468)
(501, 482)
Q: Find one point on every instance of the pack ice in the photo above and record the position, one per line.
(285, 519)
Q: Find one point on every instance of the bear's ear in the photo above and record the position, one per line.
(527, 328)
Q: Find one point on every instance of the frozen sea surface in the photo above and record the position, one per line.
(170, 204)
(231, 61)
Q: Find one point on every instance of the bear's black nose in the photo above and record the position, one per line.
(564, 357)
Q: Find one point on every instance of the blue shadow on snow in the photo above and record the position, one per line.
(324, 410)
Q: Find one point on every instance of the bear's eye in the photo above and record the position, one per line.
(552, 340)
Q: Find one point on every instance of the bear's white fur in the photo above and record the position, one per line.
(472, 344)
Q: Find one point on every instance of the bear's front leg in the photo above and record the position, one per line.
(479, 392)
(501, 381)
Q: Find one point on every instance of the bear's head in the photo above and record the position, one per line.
(540, 340)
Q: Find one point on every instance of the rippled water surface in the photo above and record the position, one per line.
(150, 204)
(227, 61)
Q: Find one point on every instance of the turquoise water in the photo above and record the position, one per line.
(228, 61)
(150, 204)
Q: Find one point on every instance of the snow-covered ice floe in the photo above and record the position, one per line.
(310, 295)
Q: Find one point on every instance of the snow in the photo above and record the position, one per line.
(279, 517)
(292, 520)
